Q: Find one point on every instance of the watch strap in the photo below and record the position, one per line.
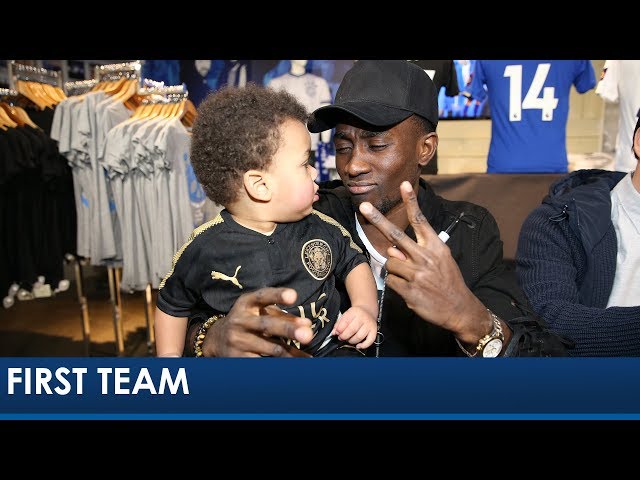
(496, 332)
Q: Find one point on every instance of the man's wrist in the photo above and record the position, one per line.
(494, 343)
(477, 323)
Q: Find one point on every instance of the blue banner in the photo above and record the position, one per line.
(322, 388)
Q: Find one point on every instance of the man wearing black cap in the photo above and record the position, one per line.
(578, 259)
(441, 294)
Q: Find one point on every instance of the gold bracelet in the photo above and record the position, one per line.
(469, 354)
(202, 332)
(496, 334)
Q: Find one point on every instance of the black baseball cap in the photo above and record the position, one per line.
(380, 93)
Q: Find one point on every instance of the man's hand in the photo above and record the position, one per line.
(255, 327)
(426, 276)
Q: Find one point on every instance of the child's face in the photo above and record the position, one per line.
(294, 188)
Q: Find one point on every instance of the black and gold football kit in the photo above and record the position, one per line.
(223, 259)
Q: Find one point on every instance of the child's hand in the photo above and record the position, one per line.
(357, 326)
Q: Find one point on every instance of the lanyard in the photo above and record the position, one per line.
(380, 335)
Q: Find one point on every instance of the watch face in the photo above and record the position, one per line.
(492, 349)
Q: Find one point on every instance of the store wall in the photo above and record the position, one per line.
(464, 144)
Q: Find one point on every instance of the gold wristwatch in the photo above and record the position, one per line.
(490, 345)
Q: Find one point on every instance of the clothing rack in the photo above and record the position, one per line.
(157, 92)
(167, 92)
(28, 73)
(19, 71)
(154, 92)
(78, 87)
(116, 71)
(8, 93)
(148, 83)
(106, 73)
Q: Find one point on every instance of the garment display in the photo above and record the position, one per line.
(37, 211)
(76, 127)
(236, 73)
(201, 77)
(619, 84)
(444, 76)
(529, 101)
(146, 162)
(136, 203)
(311, 90)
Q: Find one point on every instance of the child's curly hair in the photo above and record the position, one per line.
(236, 130)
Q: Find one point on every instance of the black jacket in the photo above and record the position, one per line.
(476, 246)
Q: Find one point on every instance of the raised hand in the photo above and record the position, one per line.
(425, 274)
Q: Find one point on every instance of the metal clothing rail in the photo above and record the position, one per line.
(8, 92)
(19, 71)
(79, 86)
(162, 89)
(115, 71)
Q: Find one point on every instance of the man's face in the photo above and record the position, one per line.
(373, 164)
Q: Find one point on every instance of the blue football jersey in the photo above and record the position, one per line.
(529, 102)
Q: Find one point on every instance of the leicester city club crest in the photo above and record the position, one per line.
(316, 257)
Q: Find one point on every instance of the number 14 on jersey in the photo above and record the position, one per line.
(547, 103)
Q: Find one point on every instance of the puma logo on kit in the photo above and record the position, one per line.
(222, 276)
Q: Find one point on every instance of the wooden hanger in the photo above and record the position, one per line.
(18, 114)
(41, 90)
(113, 88)
(124, 89)
(130, 93)
(145, 111)
(55, 93)
(25, 117)
(98, 87)
(12, 114)
(6, 121)
(190, 113)
(155, 110)
(134, 101)
(168, 110)
(140, 111)
(177, 109)
(27, 89)
(45, 93)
